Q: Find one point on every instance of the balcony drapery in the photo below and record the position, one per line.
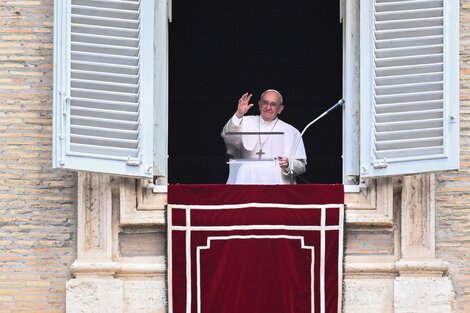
(255, 248)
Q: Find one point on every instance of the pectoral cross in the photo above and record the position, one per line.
(260, 153)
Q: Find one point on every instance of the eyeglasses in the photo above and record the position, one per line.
(272, 104)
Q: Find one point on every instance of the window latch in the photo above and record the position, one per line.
(380, 163)
(134, 161)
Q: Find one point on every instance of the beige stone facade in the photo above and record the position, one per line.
(67, 240)
(453, 188)
(37, 204)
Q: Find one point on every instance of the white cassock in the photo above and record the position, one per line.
(249, 147)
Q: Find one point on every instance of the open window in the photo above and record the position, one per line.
(400, 83)
(250, 46)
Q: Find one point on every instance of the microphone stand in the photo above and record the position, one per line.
(291, 159)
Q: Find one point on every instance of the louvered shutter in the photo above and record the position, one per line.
(103, 86)
(409, 86)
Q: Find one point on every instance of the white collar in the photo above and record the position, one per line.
(263, 122)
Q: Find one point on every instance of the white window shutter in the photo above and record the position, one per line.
(409, 86)
(103, 86)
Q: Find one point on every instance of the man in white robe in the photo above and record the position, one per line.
(268, 155)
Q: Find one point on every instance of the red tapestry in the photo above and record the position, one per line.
(255, 248)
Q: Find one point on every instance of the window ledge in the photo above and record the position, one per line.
(347, 188)
(352, 188)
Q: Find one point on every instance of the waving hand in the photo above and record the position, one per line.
(244, 105)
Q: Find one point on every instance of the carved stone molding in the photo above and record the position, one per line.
(104, 281)
(139, 205)
(118, 269)
(371, 206)
(422, 268)
(94, 217)
(380, 268)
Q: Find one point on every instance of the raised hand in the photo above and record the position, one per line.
(244, 105)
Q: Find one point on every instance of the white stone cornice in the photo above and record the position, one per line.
(368, 269)
(423, 267)
(117, 269)
(403, 267)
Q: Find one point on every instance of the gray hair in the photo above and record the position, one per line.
(275, 91)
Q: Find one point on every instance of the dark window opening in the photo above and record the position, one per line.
(220, 49)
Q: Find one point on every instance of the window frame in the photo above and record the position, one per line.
(161, 103)
(351, 92)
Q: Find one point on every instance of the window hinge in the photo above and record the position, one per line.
(452, 118)
(134, 161)
(65, 102)
(380, 163)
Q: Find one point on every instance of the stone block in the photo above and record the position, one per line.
(94, 296)
(423, 295)
(368, 295)
(144, 296)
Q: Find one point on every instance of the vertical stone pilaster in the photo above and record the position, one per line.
(417, 213)
(94, 217)
(422, 285)
(95, 288)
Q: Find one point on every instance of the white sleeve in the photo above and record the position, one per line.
(236, 121)
(298, 168)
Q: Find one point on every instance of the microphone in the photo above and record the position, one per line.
(291, 158)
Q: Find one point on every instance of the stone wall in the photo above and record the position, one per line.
(453, 188)
(37, 203)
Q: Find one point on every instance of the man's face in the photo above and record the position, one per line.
(269, 106)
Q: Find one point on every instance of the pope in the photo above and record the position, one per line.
(267, 135)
